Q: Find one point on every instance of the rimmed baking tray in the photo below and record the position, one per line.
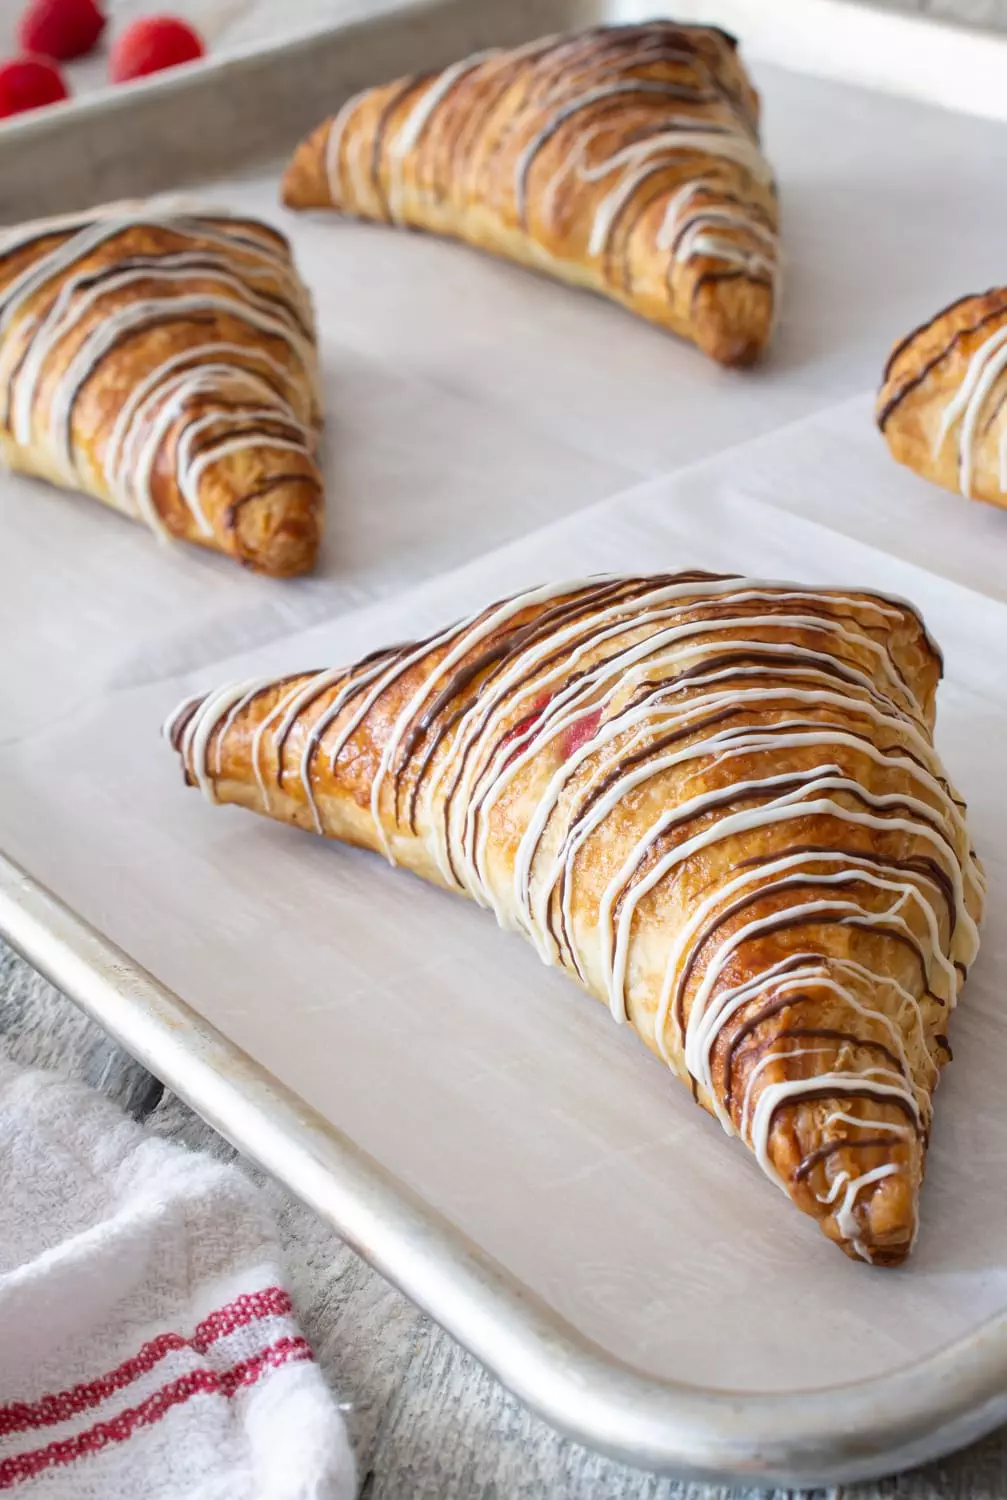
(635, 407)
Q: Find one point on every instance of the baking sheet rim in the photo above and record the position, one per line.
(908, 54)
(820, 1437)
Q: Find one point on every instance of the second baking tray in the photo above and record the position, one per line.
(462, 1116)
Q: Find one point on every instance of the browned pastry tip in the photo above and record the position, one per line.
(805, 1154)
(163, 360)
(304, 184)
(732, 317)
(278, 527)
(623, 159)
(941, 406)
(713, 801)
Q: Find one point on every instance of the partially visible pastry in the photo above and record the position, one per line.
(943, 403)
(625, 159)
(164, 362)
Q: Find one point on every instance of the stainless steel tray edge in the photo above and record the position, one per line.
(833, 1434)
(259, 101)
(251, 105)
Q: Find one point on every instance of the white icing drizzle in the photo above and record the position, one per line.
(645, 158)
(772, 1060)
(712, 124)
(334, 146)
(863, 1122)
(690, 230)
(828, 1085)
(968, 403)
(469, 641)
(840, 1180)
(413, 125)
(813, 975)
(182, 711)
(240, 704)
(282, 717)
(415, 122)
(199, 730)
(625, 681)
(228, 269)
(845, 1216)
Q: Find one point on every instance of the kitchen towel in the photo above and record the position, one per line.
(148, 1345)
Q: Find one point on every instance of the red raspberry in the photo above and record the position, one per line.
(153, 43)
(60, 28)
(28, 83)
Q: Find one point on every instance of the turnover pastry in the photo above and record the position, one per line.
(164, 362)
(623, 159)
(943, 403)
(714, 801)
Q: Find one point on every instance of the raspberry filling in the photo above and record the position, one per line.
(523, 725)
(580, 731)
(570, 741)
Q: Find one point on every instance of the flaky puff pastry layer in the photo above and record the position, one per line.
(714, 802)
(943, 401)
(623, 159)
(164, 362)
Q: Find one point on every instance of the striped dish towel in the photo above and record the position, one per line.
(147, 1344)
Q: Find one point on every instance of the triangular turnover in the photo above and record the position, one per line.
(624, 159)
(714, 801)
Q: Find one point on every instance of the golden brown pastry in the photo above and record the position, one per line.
(624, 159)
(714, 801)
(164, 362)
(943, 402)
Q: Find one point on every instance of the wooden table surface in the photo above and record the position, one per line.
(427, 1422)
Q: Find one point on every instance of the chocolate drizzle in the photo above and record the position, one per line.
(180, 722)
(910, 338)
(921, 865)
(826, 1089)
(846, 1143)
(490, 661)
(274, 482)
(611, 97)
(896, 399)
(790, 923)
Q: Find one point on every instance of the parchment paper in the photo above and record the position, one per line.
(470, 404)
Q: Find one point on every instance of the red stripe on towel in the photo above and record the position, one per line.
(118, 1429)
(250, 1307)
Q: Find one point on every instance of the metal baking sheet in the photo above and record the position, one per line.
(471, 404)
